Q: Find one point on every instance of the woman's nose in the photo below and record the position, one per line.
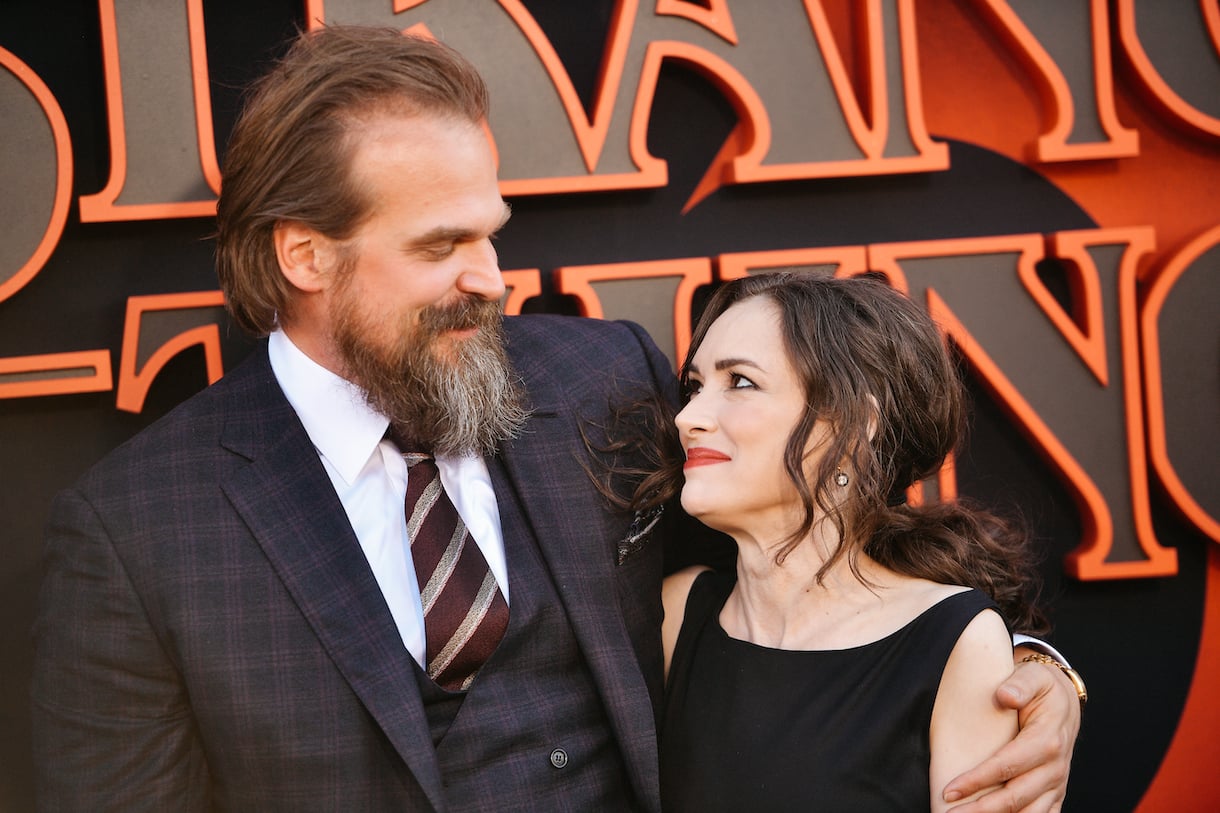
(693, 417)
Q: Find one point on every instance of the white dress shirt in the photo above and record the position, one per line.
(370, 477)
(1020, 639)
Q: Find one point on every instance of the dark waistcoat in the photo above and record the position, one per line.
(532, 729)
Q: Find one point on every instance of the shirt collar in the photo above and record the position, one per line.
(343, 427)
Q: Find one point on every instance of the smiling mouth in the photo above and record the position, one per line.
(699, 456)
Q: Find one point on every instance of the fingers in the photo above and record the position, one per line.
(1011, 799)
(1043, 696)
(997, 770)
(1040, 789)
(1031, 768)
(1028, 682)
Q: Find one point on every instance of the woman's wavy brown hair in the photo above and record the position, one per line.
(876, 370)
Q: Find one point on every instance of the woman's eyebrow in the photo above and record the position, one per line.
(724, 364)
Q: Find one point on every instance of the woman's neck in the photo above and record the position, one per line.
(784, 606)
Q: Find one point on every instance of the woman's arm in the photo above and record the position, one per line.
(1033, 767)
(968, 724)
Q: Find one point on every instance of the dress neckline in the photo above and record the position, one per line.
(720, 630)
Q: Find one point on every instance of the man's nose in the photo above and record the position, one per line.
(481, 276)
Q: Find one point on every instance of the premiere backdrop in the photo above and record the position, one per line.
(1042, 175)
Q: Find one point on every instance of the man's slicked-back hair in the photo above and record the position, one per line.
(290, 154)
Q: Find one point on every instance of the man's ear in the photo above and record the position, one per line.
(305, 255)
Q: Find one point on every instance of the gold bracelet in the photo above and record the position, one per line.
(1072, 674)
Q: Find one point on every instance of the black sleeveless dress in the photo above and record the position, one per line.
(749, 728)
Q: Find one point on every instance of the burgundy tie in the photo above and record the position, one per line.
(465, 614)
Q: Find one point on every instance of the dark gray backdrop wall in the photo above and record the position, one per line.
(80, 297)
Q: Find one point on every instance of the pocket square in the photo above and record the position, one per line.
(637, 534)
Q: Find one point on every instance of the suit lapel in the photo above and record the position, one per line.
(287, 500)
(543, 473)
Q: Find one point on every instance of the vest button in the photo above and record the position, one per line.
(559, 758)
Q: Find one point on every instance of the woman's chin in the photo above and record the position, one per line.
(698, 508)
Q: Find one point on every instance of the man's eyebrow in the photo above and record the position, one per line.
(448, 234)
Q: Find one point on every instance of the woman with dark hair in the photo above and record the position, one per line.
(850, 661)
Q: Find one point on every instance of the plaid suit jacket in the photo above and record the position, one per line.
(210, 635)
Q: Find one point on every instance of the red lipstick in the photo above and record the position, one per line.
(701, 456)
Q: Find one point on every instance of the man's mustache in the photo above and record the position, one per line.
(463, 314)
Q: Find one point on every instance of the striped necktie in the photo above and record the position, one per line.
(465, 614)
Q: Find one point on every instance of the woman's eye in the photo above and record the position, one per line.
(740, 382)
(690, 387)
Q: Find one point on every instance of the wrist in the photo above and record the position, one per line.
(1072, 675)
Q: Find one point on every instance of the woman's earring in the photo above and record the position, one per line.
(841, 478)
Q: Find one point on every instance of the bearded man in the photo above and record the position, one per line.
(259, 603)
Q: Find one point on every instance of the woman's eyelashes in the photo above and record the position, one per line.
(737, 381)
(732, 381)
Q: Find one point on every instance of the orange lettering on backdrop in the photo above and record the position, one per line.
(709, 39)
(548, 143)
(1092, 560)
(143, 46)
(1084, 123)
(13, 281)
(521, 284)
(540, 123)
(615, 291)
(1156, 89)
(1084, 327)
(974, 92)
(715, 17)
(886, 129)
(55, 374)
(842, 261)
(892, 79)
(185, 320)
(1158, 447)
(51, 373)
(964, 283)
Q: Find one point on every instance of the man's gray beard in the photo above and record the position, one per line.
(467, 403)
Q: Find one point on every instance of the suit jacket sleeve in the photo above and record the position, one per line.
(112, 724)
